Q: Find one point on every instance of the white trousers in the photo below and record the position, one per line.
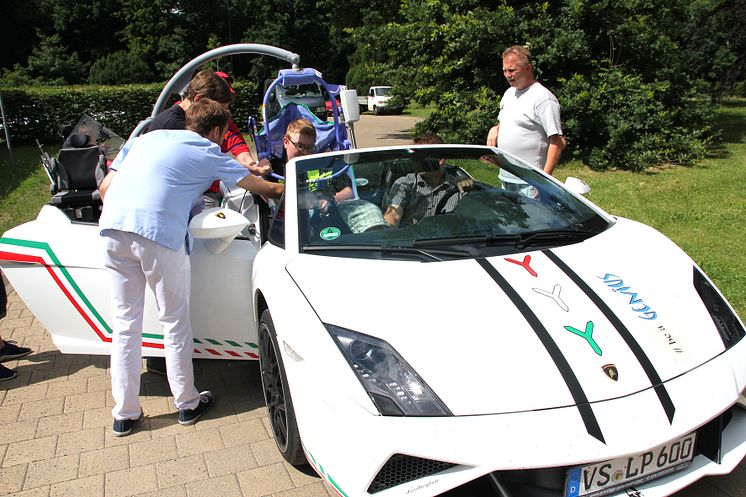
(131, 262)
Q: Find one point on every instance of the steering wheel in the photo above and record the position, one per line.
(453, 190)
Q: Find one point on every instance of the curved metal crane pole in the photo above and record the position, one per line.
(179, 80)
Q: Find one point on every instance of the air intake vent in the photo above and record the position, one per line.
(401, 469)
(730, 329)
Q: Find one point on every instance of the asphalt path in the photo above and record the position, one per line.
(383, 130)
(378, 131)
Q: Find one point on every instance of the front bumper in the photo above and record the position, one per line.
(352, 448)
(399, 475)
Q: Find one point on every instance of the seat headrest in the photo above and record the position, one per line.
(76, 140)
(64, 130)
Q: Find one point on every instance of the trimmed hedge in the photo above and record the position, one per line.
(37, 112)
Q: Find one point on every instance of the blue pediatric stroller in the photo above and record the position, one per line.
(355, 214)
(330, 136)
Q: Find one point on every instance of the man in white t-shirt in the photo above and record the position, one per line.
(529, 121)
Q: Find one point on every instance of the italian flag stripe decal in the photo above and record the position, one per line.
(99, 326)
(12, 250)
(8, 256)
(56, 262)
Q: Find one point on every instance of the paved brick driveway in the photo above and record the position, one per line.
(55, 431)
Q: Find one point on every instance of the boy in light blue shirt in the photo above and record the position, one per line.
(147, 196)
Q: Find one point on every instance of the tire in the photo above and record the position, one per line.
(376, 111)
(280, 409)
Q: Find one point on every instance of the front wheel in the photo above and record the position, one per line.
(277, 395)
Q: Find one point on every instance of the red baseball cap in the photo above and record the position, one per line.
(227, 79)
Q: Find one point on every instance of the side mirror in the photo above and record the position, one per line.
(219, 226)
(350, 105)
(577, 186)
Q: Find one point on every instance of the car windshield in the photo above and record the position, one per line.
(383, 91)
(407, 203)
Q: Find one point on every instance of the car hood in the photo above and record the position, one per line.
(602, 319)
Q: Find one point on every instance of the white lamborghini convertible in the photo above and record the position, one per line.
(536, 343)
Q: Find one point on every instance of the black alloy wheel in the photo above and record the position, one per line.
(276, 395)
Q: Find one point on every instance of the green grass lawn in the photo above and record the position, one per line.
(701, 208)
(24, 187)
(416, 110)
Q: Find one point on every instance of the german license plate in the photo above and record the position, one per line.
(610, 476)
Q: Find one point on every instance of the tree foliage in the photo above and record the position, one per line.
(619, 68)
(88, 28)
(36, 112)
(167, 33)
(51, 62)
(120, 68)
(18, 34)
(66, 37)
(635, 78)
(715, 43)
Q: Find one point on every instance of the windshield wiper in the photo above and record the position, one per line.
(554, 234)
(393, 250)
(519, 240)
(449, 240)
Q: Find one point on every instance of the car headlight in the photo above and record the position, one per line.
(394, 387)
(726, 321)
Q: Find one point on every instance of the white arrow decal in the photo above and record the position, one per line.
(554, 295)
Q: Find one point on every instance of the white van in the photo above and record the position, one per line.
(377, 101)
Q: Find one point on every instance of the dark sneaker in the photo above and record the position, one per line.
(156, 365)
(190, 416)
(123, 427)
(10, 351)
(7, 373)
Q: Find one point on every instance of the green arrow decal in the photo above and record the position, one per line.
(588, 335)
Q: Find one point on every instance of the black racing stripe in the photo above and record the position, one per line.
(578, 395)
(642, 358)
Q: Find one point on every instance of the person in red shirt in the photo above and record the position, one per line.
(235, 144)
(216, 86)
